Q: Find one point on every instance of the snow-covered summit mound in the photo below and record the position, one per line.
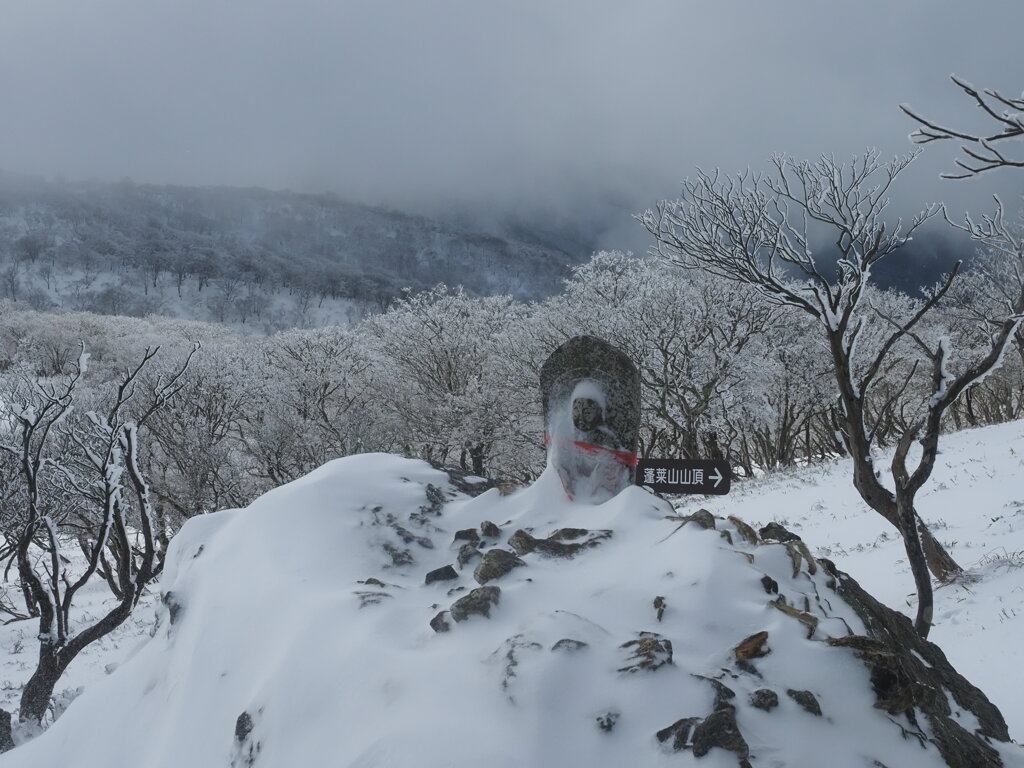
(373, 614)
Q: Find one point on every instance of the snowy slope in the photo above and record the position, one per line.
(975, 504)
(298, 632)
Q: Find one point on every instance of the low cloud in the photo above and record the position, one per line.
(568, 107)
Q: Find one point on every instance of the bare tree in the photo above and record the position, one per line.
(81, 477)
(983, 151)
(758, 230)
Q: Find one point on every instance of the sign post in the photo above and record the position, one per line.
(704, 476)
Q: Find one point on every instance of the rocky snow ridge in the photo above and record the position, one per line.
(376, 613)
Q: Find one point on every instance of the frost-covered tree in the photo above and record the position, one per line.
(198, 460)
(983, 151)
(986, 290)
(695, 340)
(780, 414)
(315, 403)
(437, 366)
(80, 480)
(761, 230)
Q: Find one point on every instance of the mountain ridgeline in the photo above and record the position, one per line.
(248, 257)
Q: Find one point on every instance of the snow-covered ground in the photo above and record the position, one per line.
(974, 503)
(19, 650)
(304, 613)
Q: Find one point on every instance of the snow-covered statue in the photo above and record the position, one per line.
(591, 396)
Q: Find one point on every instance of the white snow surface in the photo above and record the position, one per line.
(271, 624)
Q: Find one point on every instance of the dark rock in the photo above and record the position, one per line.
(650, 651)
(703, 518)
(436, 497)
(435, 503)
(522, 542)
(555, 546)
(6, 736)
(771, 586)
(467, 534)
(467, 552)
(775, 532)
(659, 606)
(440, 622)
(748, 666)
(243, 727)
(174, 606)
(490, 530)
(568, 534)
(719, 729)
(723, 694)
(909, 675)
(478, 601)
(955, 742)
(494, 564)
(606, 722)
(569, 645)
(765, 699)
(246, 749)
(399, 557)
(456, 590)
(372, 582)
(679, 732)
(753, 647)
(807, 700)
(447, 573)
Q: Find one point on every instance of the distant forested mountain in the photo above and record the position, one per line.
(248, 257)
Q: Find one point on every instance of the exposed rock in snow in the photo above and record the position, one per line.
(912, 677)
(477, 602)
(565, 542)
(445, 573)
(764, 698)
(752, 647)
(467, 553)
(494, 564)
(763, 656)
(807, 701)
(648, 650)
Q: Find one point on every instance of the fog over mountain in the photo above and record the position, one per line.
(252, 258)
(557, 117)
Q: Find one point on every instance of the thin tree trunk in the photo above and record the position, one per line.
(910, 527)
(876, 495)
(941, 564)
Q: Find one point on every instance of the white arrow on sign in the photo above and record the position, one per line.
(717, 477)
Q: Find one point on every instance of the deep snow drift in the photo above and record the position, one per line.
(298, 632)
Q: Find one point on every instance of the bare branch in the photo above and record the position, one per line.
(1006, 112)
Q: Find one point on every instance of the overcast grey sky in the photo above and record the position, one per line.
(422, 103)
